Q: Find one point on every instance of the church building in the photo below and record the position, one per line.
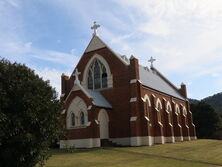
(112, 99)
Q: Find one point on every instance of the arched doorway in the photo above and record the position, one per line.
(103, 119)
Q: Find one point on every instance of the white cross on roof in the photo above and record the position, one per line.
(151, 60)
(76, 74)
(95, 27)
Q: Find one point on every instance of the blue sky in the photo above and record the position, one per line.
(184, 36)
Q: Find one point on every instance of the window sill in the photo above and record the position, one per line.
(78, 127)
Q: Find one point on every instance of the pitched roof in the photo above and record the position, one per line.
(153, 80)
(98, 99)
(97, 43)
(150, 78)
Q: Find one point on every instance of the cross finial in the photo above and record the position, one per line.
(151, 60)
(76, 74)
(95, 27)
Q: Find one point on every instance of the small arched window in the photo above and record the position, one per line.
(159, 110)
(169, 113)
(147, 109)
(73, 119)
(97, 75)
(82, 118)
(178, 115)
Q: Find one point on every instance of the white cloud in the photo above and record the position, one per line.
(53, 75)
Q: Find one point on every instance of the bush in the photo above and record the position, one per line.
(29, 116)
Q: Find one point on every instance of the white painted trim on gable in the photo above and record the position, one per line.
(133, 119)
(95, 44)
(80, 143)
(133, 81)
(77, 87)
(133, 99)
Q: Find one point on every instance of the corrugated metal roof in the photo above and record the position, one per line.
(98, 99)
(152, 80)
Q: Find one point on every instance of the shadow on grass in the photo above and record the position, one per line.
(72, 150)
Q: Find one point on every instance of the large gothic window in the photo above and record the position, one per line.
(97, 75)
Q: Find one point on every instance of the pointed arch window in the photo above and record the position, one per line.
(169, 113)
(178, 115)
(147, 109)
(73, 119)
(97, 75)
(159, 108)
(82, 118)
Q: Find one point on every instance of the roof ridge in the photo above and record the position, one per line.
(165, 79)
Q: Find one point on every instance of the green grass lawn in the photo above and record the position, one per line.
(185, 154)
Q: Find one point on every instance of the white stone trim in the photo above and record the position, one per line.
(178, 138)
(153, 95)
(133, 81)
(63, 111)
(76, 106)
(141, 141)
(193, 137)
(159, 140)
(97, 122)
(193, 125)
(89, 107)
(143, 99)
(186, 138)
(170, 124)
(139, 81)
(133, 99)
(169, 139)
(146, 97)
(104, 62)
(80, 143)
(146, 118)
(160, 123)
(88, 124)
(133, 118)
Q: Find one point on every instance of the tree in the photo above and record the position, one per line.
(29, 116)
(208, 122)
